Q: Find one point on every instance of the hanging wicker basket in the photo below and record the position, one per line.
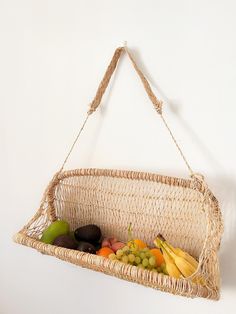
(184, 211)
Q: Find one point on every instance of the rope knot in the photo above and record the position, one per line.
(158, 106)
(90, 111)
(198, 176)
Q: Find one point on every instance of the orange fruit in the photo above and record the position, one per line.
(159, 257)
(104, 251)
(138, 242)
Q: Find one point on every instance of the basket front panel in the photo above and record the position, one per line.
(152, 207)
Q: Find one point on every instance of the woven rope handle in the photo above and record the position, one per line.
(101, 90)
(108, 74)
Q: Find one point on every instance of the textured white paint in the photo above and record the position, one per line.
(52, 56)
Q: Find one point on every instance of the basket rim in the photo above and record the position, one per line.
(129, 174)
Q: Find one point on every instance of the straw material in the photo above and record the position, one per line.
(184, 211)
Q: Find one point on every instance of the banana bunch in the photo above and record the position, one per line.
(179, 264)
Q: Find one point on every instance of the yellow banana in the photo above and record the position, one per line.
(157, 242)
(183, 254)
(183, 265)
(186, 264)
(171, 268)
(189, 271)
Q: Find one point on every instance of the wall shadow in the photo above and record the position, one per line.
(225, 190)
(175, 108)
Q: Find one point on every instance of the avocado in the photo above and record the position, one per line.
(97, 245)
(66, 241)
(55, 229)
(86, 247)
(72, 235)
(88, 233)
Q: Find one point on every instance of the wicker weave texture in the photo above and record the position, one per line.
(184, 211)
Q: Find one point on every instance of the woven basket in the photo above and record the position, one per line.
(184, 211)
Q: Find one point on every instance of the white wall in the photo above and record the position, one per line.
(52, 57)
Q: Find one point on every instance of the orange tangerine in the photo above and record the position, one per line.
(138, 242)
(104, 251)
(159, 257)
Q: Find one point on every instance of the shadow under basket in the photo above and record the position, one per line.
(184, 211)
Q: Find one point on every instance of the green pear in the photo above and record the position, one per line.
(55, 229)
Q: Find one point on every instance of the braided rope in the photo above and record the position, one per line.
(105, 81)
(108, 74)
(102, 88)
(157, 103)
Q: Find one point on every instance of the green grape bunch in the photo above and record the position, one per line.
(133, 255)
